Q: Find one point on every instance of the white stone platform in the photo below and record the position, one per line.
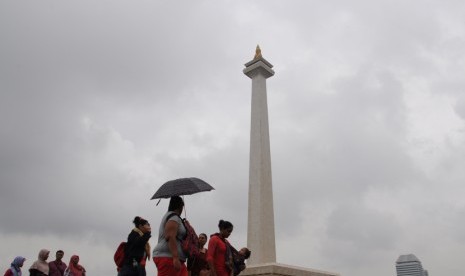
(276, 269)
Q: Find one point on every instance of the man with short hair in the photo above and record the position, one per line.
(57, 267)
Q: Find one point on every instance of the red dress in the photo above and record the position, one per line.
(217, 254)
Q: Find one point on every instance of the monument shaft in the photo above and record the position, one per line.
(260, 234)
(260, 229)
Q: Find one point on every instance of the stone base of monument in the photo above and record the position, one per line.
(275, 269)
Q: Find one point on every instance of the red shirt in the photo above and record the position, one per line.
(56, 268)
(217, 254)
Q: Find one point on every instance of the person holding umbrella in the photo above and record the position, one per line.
(168, 255)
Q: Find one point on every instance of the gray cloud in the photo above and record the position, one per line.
(101, 103)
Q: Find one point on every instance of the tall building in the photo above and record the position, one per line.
(409, 265)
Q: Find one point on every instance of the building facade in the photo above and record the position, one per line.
(409, 265)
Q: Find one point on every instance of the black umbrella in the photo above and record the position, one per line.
(182, 186)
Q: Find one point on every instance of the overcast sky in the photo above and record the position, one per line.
(101, 102)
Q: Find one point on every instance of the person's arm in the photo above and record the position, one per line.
(212, 244)
(207, 265)
(138, 240)
(8, 272)
(171, 231)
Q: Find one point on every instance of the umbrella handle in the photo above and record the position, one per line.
(158, 202)
(185, 212)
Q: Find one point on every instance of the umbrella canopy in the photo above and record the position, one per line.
(182, 186)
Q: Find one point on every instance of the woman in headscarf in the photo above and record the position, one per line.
(15, 268)
(40, 267)
(74, 268)
(218, 254)
(137, 249)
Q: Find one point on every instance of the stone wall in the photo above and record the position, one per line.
(275, 269)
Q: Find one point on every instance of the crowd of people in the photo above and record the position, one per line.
(41, 267)
(220, 258)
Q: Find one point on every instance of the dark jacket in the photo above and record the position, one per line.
(35, 272)
(135, 247)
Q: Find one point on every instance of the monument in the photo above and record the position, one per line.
(260, 228)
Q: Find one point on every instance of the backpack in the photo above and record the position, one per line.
(190, 242)
(119, 255)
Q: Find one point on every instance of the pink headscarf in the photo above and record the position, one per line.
(41, 263)
(75, 267)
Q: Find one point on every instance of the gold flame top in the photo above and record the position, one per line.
(258, 53)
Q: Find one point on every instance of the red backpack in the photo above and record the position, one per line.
(119, 256)
(190, 242)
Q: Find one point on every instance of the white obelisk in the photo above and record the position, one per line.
(260, 232)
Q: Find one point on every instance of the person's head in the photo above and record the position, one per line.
(74, 259)
(202, 239)
(245, 252)
(59, 255)
(225, 227)
(142, 224)
(18, 261)
(43, 254)
(176, 204)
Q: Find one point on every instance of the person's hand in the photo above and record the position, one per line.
(176, 264)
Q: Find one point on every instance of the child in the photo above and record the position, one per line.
(239, 258)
